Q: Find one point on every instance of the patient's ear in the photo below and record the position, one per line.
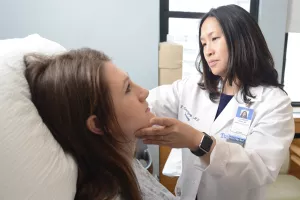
(92, 124)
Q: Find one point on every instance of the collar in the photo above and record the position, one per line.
(257, 92)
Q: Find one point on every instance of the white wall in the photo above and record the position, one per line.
(272, 20)
(126, 30)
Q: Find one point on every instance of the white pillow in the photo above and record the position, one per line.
(33, 165)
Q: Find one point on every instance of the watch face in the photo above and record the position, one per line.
(206, 143)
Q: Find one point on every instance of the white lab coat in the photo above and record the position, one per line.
(234, 173)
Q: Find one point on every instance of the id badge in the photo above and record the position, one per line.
(240, 127)
(242, 121)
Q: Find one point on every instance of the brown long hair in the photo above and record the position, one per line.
(66, 89)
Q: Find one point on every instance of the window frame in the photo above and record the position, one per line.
(165, 14)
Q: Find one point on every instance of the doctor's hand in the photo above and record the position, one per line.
(170, 132)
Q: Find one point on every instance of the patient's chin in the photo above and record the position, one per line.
(145, 122)
(151, 115)
(145, 125)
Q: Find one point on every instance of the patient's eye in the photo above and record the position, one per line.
(128, 89)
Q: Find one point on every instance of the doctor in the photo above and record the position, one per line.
(225, 156)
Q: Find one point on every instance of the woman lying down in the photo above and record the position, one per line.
(92, 109)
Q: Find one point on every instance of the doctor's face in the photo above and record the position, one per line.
(129, 101)
(214, 46)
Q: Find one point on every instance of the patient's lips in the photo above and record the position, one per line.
(150, 114)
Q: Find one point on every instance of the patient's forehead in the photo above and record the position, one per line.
(115, 77)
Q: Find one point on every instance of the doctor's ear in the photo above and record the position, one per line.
(92, 124)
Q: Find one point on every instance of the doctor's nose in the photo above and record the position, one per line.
(209, 51)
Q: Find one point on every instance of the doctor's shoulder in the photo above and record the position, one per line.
(270, 92)
(184, 87)
(272, 97)
(191, 82)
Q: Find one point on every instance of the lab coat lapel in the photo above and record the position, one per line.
(225, 117)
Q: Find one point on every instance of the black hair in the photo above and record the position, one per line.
(250, 60)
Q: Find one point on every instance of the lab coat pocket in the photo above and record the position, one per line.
(178, 187)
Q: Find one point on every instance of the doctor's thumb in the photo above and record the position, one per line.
(162, 121)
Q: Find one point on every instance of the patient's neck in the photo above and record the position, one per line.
(128, 149)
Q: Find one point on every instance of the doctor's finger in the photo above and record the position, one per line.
(162, 143)
(155, 130)
(156, 137)
(162, 121)
(157, 142)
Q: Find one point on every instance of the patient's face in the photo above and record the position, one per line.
(129, 100)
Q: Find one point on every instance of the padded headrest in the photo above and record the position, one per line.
(33, 165)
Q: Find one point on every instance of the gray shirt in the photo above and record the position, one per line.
(150, 188)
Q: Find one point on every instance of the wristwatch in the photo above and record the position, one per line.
(204, 146)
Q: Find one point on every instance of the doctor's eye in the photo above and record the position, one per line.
(215, 38)
(204, 44)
